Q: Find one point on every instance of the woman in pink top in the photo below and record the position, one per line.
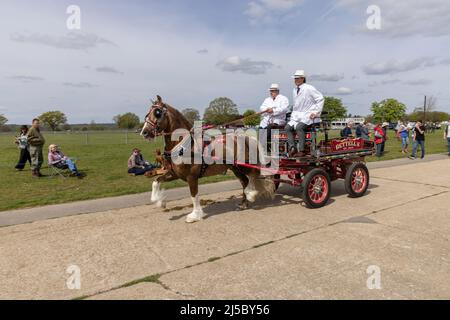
(56, 158)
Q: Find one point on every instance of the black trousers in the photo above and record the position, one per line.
(23, 158)
(300, 130)
(268, 130)
(140, 171)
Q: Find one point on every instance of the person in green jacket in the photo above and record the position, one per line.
(36, 143)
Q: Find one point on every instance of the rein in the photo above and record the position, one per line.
(154, 125)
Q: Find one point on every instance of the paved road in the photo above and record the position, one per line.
(276, 250)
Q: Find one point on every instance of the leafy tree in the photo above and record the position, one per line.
(389, 110)
(369, 118)
(251, 121)
(221, 111)
(127, 121)
(53, 119)
(3, 120)
(335, 108)
(434, 116)
(191, 114)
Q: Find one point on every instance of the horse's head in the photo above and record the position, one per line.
(156, 120)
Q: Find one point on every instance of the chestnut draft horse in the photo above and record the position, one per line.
(162, 119)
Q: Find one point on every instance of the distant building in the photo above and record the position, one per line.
(341, 123)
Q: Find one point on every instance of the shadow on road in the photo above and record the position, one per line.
(282, 198)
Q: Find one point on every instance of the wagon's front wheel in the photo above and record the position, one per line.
(357, 180)
(316, 188)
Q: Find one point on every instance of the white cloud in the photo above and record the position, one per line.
(326, 77)
(268, 11)
(202, 51)
(405, 18)
(72, 40)
(383, 82)
(248, 66)
(395, 66)
(418, 82)
(26, 78)
(343, 91)
(281, 5)
(108, 70)
(81, 85)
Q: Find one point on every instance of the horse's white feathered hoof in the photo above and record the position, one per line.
(195, 217)
(158, 195)
(161, 204)
(251, 195)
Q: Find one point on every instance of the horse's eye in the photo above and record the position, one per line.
(158, 113)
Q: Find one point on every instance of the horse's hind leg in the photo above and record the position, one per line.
(197, 211)
(244, 182)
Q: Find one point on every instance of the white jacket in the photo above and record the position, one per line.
(280, 107)
(306, 102)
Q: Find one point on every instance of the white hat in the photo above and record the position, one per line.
(274, 86)
(299, 74)
(385, 124)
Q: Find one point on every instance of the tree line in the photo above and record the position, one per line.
(223, 110)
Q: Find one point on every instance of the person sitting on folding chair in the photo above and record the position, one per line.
(58, 160)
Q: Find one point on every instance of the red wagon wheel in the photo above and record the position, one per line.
(316, 188)
(357, 180)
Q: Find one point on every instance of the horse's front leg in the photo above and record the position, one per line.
(197, 211)
(158, 195)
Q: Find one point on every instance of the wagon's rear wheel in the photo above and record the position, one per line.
(276, 181)
(316, 188)
(356, 180)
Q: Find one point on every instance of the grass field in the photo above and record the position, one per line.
(103, 156)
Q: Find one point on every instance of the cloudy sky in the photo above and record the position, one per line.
(191, 52)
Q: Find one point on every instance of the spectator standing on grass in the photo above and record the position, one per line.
(447, 136)
(137, 164)
(384, 127)
(22, 143)
(36, 143)
(397, 129)
(403, 132)
(418, 139)
(379, 139)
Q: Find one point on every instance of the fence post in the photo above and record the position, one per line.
(126, 137)
(87, 138)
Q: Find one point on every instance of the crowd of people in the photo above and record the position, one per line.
(403, 133)
(31, 141)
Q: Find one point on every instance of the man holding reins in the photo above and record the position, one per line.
(275, 108)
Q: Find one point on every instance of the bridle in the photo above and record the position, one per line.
(154, 125)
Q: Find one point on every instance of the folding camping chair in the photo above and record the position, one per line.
(63, 172)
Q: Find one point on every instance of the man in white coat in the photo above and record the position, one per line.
(275, 107)
(308, 105)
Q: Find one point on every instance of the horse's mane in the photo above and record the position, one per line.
(178, 118)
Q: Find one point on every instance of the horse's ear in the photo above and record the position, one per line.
(159, 99)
